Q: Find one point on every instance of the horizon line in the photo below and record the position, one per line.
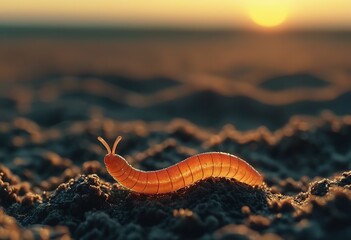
(164, 28)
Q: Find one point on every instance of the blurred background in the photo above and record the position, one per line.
(248, 63)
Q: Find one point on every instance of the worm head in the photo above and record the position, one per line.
(112, 160)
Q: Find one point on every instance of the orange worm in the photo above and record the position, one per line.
(180, 175)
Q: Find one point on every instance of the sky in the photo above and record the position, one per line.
(285, 14)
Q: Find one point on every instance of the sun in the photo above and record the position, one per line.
(268, 14)
(268, 17)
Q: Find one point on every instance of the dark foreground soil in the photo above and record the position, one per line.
(292, 125)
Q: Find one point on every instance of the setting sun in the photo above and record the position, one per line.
(223, 14)
(268, 13)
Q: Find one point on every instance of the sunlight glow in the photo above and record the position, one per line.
(240, 14)
(268, 13)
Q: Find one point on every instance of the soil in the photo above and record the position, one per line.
(170, 97)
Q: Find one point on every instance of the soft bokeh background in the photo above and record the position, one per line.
(181, 14)
(247, 63)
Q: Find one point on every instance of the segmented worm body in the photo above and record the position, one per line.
(180, 175)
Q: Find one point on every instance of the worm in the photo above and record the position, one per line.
(180, 175)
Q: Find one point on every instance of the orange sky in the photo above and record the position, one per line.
(180, 13)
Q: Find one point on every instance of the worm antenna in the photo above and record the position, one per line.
(105, 144)
(118, 139)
